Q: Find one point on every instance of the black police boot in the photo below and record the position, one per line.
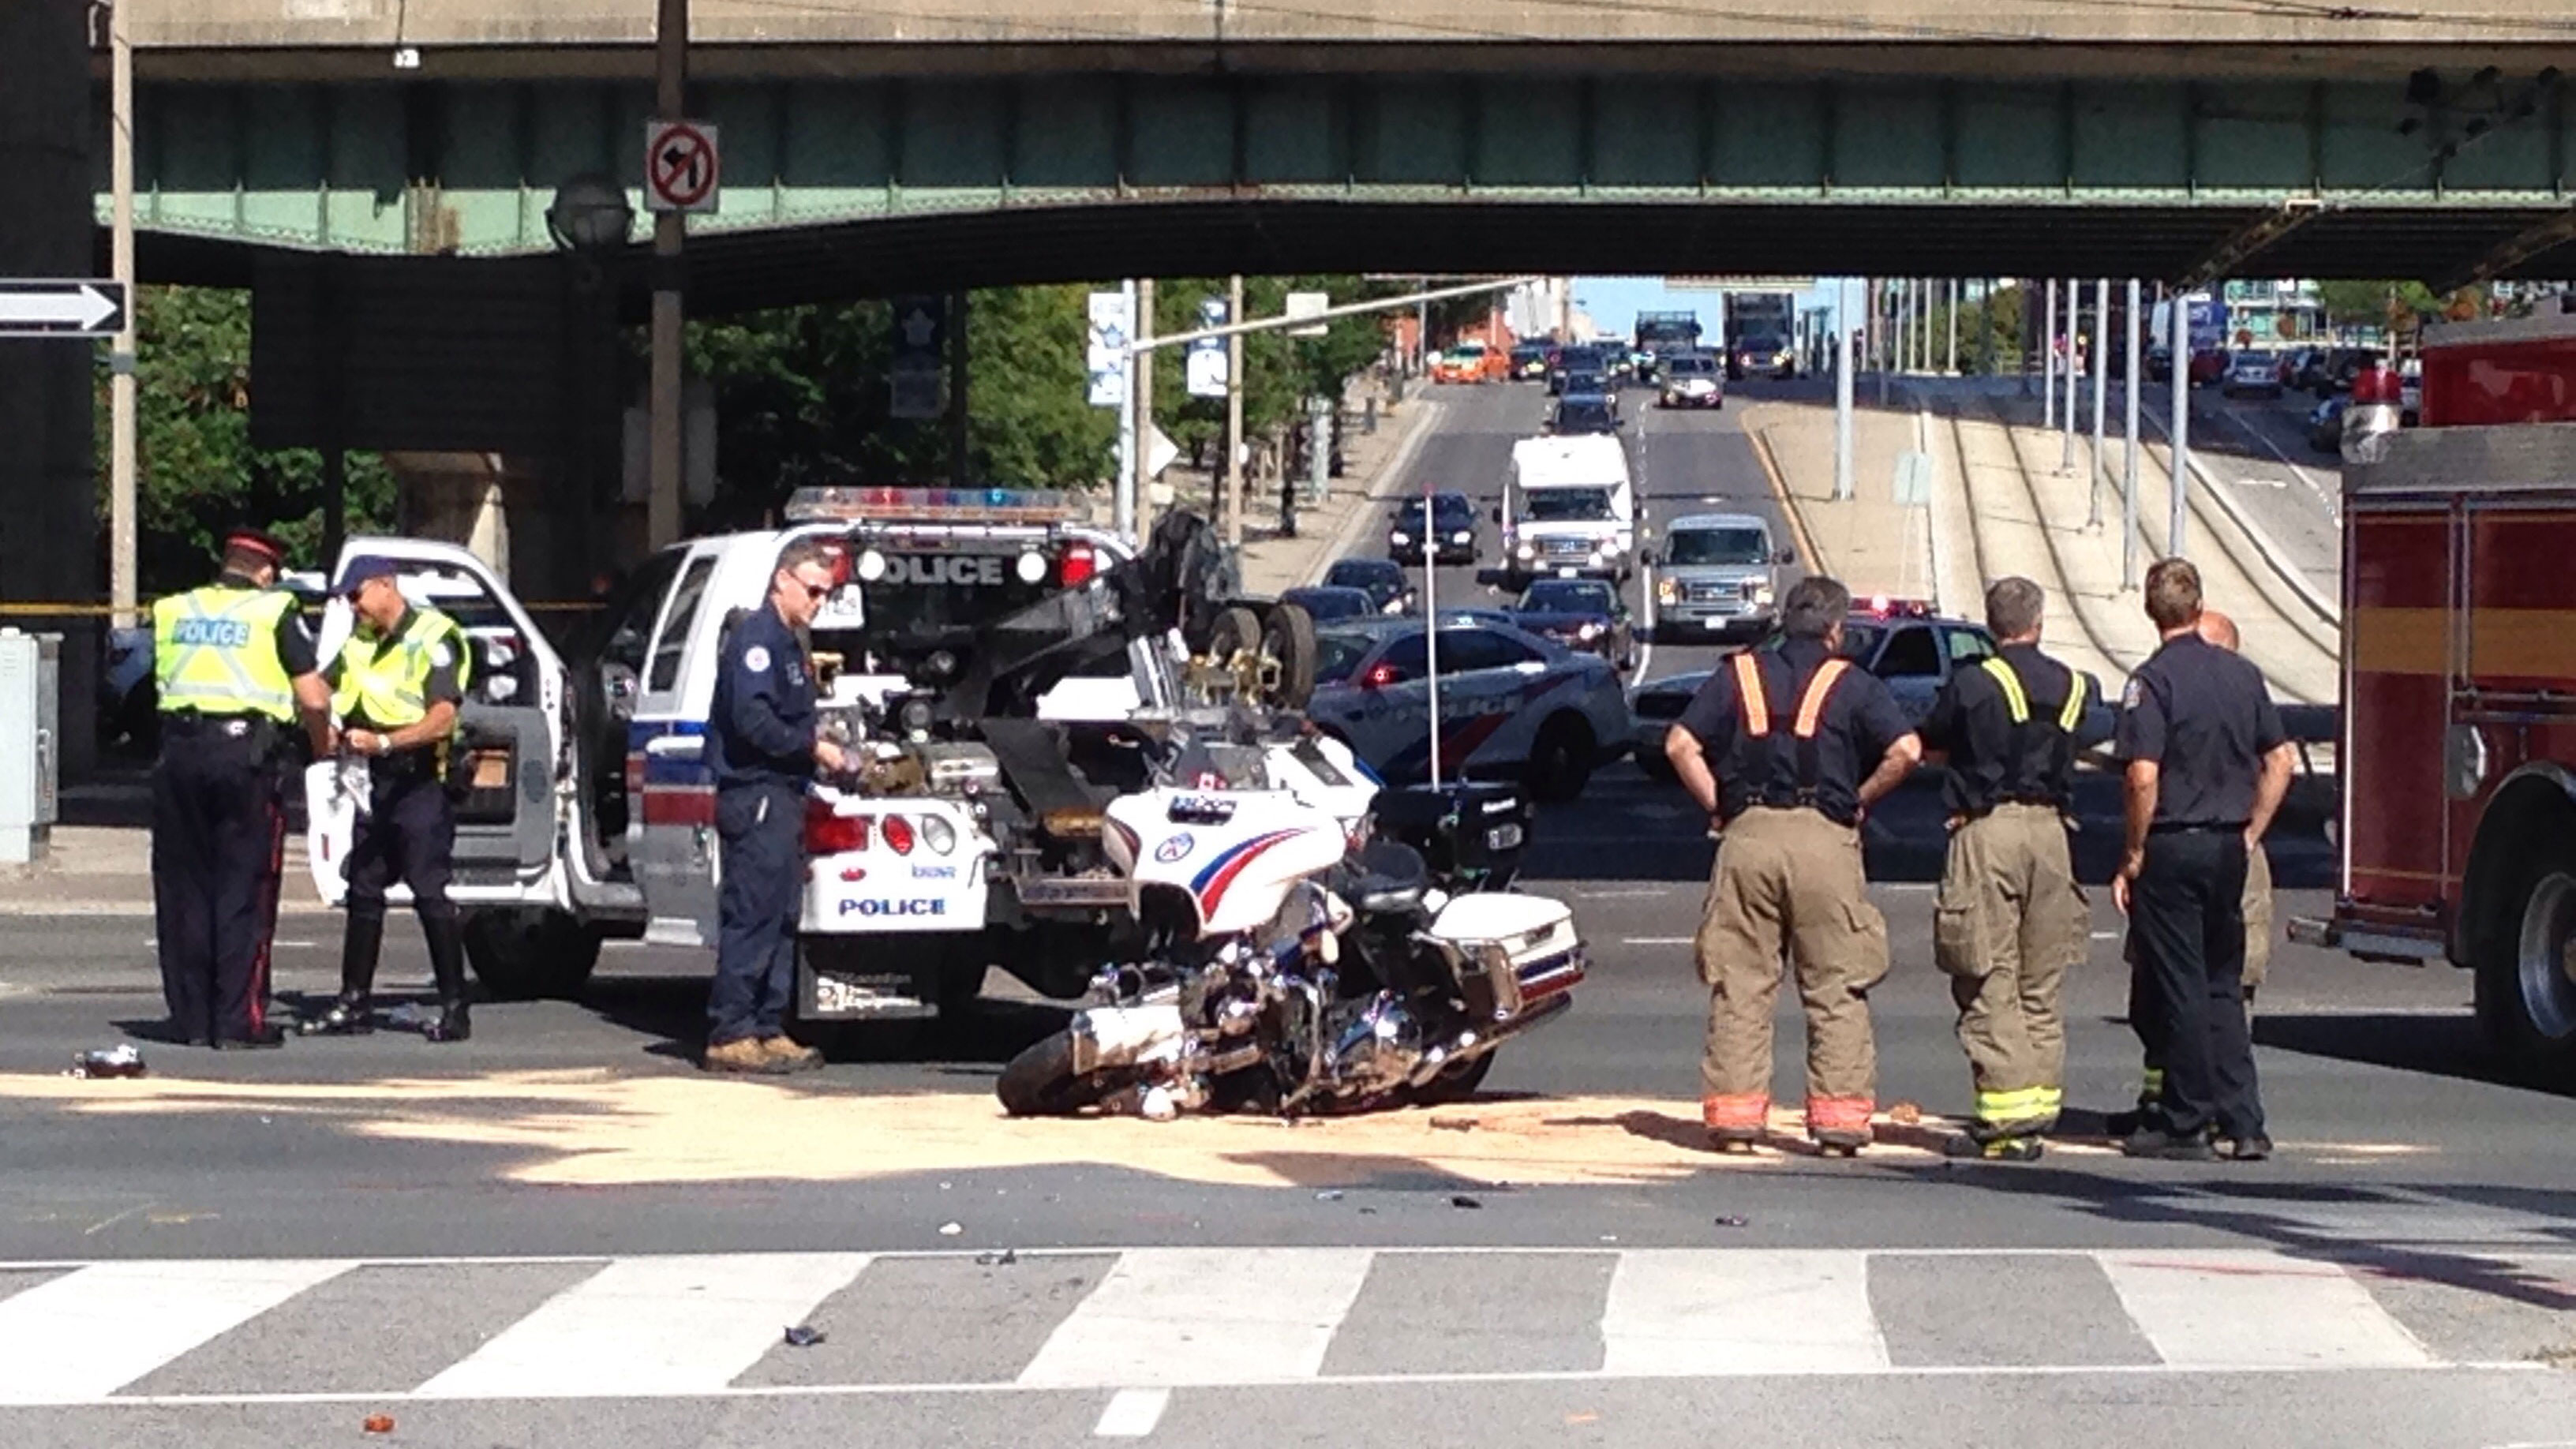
(353, 1014)
(446, 939)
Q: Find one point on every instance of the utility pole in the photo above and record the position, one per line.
(2129, 464)
(1234, 413)
(2074, 371)
(670, 228)
(960, 467)
(123, 584)
(1846, 316)
(1123, 492)
(2101, 385)
(2181, 326)
(2048, 361)
(1141, 386)
(1954, 327)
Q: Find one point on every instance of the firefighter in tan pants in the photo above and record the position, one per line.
(2220, 630)
(1785, 747)
(2009, 921)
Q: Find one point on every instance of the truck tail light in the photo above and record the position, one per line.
(898, 834)
(1080, 563)
(2374, 384)
(829, 834)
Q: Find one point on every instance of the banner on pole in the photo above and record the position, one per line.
(1113, 324)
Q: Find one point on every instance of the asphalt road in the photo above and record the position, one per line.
(561, 1234)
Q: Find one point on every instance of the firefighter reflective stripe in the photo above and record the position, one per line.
(1811, 705)
(2151, 1087)
(2016, 703)
(214, 651)
(2073, 712)
(388, 683)
(1748, 690)
(1839, 1114)
(1737, 1112)
(2019, 1108)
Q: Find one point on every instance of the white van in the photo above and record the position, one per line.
(1568, 509)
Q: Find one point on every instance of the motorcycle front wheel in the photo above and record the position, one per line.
(1041, 1081)
(1455, 1083)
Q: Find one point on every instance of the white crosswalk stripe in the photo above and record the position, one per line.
(1163, 1318)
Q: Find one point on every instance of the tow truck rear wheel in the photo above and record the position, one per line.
(2526, 975)
(1288, 643)
(525, 955)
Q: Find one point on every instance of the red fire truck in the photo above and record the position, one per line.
(2458, 826)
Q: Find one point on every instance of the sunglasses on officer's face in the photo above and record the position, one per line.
(813, 591)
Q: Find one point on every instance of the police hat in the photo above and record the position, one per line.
(363, 568)
(258, 541)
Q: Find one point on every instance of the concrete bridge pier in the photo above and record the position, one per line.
(52, 541)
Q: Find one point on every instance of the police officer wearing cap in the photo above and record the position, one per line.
(1785, 747)
(762, 745)
(2009, 921)
(398, 686)
(2206, 765)
(233, 666)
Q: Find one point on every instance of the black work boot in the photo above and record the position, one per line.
(446, 940)
(352, 1014)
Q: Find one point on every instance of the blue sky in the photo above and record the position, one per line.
(1614, 302)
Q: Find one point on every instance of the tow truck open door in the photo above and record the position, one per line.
(511, 737)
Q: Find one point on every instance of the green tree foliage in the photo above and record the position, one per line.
(197, 475)
(2365, 303)
(1999, 314)
(803, 397)
(1279, 372)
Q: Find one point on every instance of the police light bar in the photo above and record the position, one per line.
(1880, 606)
(934, 505)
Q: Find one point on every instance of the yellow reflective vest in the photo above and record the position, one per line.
(387, 683)
(214, 652)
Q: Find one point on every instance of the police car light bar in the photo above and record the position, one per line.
(934, 505)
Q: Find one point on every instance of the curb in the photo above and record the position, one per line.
(1788, 501)
(1397, 464)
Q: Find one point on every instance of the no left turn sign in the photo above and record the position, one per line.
(681, 168)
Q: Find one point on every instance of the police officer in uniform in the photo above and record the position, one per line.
(2206, 765)
(2221, 632)
(1785, 747)
(761, 741)
(399, 684)
(2009, 921)
(234, 668)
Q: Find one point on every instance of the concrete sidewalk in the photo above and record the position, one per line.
(1871, 542)
(1373, 464)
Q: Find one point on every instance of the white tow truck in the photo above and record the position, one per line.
(986, 658)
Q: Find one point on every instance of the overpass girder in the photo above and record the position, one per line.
(471, 167)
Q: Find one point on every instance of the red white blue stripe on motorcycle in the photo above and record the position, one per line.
(1549, 976)
(1210, 884)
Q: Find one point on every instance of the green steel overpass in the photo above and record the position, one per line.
(872, 147)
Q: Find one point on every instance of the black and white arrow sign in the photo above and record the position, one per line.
(68, 308)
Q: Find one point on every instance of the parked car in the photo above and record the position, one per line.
(1330, 603)
(1383, 580)
(1584, 615)
(2325, 424)
(1452, 529)
(2252, 373)
(1513, 706)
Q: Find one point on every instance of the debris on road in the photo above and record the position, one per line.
(1905, 1114)
(1002, 1259)
(1730, 1221)
(805, 1335)
(1330, 1194)
(950, 1230)
(379, 1424)
(121, 1060)
(1453, 1124)
(1464, 1201)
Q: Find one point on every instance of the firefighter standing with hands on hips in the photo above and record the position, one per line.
(2207, 763)
(1775, 747)
(233, 665)
(2009, 921)
(762, 744)
(398, 685)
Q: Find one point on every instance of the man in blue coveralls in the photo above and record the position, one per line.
(761, 741)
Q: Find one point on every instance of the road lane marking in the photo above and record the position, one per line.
(1658, 941)
(1682, 1312)
(645, 1327)
(89, 1333)
(1132, 1414)
(1204, 1316)
(2254, 1309)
